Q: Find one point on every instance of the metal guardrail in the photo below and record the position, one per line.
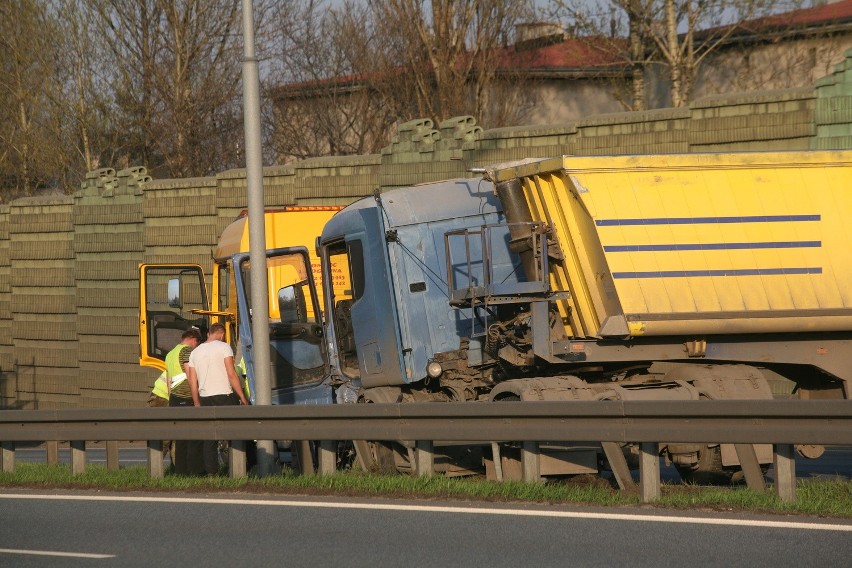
(782, 423)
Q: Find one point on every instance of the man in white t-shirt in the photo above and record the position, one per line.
(213, 381)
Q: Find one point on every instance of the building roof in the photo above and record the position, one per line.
(836, 12)
(597, 55)
(583, 53)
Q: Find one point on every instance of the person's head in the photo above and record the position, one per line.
(216, 332)
(191, 337)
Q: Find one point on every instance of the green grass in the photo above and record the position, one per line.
(831, 498)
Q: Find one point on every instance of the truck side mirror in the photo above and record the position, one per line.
(291, 304)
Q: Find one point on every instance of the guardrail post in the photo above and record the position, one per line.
(649, 471)
(78, 457)
(618, 465)
(425, 452)
(498, 461)
(306, 458)
(112, 455)
(531, 462)
(7, 457)
(785, 472)
(155, 458)
(750, 466)
(237, 458)
(52, 452)
(327, 457)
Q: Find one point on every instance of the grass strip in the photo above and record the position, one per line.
(825, 498)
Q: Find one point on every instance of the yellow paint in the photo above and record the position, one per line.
(589, 202)
(288, 227)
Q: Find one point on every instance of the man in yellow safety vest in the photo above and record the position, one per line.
(169, 391)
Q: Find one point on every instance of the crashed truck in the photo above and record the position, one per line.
(669, 277)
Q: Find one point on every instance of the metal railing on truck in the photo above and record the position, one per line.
(782, 423)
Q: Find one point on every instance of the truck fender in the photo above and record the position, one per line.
(382, 395)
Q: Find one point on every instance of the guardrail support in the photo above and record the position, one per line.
(306, 458)
(649, 471)
(425, 453)
(78, 457)
(112, 455)
(785, 472)
(237, 458)
(52, 452)
(618, 465)
(498, 461)
(7, 457)
(751, 467)
(155, 458)
(531, 462)
(327, 457)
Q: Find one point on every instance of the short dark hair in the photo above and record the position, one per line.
(216, 328)
(191, 332)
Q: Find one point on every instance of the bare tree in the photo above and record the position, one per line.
(29, 121)
(178, 67)
(677, 35)
(447, 52)
(321, 106)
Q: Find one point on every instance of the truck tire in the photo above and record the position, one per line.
(708, 470)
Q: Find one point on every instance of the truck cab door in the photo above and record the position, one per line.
(172, 298)
(297, 355)
(364, 323)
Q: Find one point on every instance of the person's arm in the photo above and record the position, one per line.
(234, 380)
(193, 385)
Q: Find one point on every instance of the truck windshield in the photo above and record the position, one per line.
(289, 294)
(295, 333)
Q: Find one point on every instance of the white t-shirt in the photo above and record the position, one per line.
(208, 360)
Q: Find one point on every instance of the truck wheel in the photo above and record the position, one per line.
(708, 470)
(375, 457)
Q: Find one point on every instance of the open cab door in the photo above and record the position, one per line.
(297, 355)
(172, 298)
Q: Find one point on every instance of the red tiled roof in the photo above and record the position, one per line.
(829, 13)
(573, 53)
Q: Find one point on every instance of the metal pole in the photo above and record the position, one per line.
(257, 233)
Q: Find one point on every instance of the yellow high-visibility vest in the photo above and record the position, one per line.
(160, 388)
(173, 368)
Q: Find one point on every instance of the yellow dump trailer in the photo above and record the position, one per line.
(696, 243)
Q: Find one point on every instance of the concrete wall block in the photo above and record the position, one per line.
(180, 206)
(41, 222)
(57, 249)
(5, 332)
(106, 270)
(43, 301)
(107, 214)
(30, 353)
(131, 241)
(109, 349)
(832, 143)
(194, 234)
(103, 297)
(45, 330)
(107, 324)
(42, 276)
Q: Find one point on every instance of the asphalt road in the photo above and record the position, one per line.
(80, 529)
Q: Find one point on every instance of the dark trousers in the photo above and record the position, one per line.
(189, 457)
(211, 447)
